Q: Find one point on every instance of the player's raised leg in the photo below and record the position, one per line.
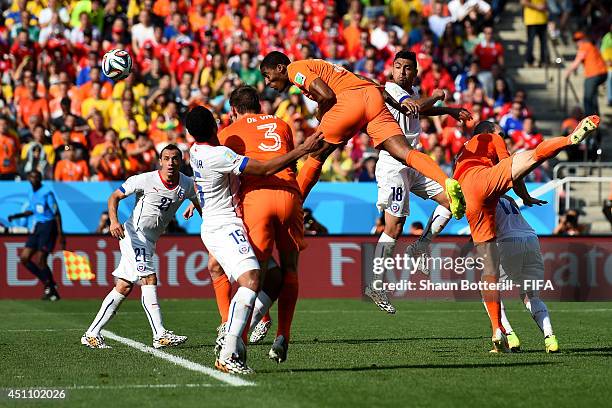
(525, 162)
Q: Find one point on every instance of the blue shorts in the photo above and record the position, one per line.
(44, 236)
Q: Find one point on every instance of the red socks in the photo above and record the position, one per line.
(223, 292)
(309, 175)
(426, 166)
(286, 304)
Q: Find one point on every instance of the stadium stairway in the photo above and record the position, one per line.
(550, 101)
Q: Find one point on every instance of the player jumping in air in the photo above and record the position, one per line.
(216, 170)
(486, 171)
(395, 180)
(159, 194)
(47, 229)
(347, 104)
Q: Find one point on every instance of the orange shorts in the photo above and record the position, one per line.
(482, 186)
(355, 109)
(273, 216)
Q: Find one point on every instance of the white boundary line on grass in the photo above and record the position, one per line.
(190, 365)
(121, 387)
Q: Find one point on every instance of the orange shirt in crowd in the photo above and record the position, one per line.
(9, 154)
(75, 137)
(67, 170)
(28, 107)
(85, 90)
(594, 63)
(110, 169)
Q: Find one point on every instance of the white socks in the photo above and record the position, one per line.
(504, 319)
(240, 309)
(109, 305)
(539, 312)
(152, 309)
(384, 249)
(438, 220)
(262, 304)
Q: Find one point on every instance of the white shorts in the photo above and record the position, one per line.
(137, 254)
(394, 185)
(521, 260)
(229, 244)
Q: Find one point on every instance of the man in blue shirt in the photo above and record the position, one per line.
(48, 228)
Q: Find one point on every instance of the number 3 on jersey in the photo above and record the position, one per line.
(270, 129)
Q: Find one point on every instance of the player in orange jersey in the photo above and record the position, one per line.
(271, 211)
(348, 103)
(486, 171)
(271, 207)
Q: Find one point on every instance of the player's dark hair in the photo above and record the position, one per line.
(245, 99)
(201, 124)
(171, 147)
(484, 127)
(405, 54)
(273, 59)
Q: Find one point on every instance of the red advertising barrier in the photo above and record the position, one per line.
(578, 268)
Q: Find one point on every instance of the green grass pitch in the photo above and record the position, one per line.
(344, 353)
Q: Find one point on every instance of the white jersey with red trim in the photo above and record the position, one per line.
(216, 170)
(156, 202)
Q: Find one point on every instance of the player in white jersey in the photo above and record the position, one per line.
(159, 194)
(395, 180)
(216, 169)
(521, 261)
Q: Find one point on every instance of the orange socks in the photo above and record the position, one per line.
(426, 166)
(492, 303)
(309, 175)
(286, 304)
(550, 148)
(223, 292)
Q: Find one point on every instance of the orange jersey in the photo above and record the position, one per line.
(261, 137)
(302, 73)
(66, 170)
(485, 149)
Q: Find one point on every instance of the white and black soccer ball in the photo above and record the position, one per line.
(117, 64)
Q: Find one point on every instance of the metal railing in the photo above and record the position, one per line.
(573, 170)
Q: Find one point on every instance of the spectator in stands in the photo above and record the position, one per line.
(606, 53)
(488, 52)
(437, 153)
(9, 152)
(368, 169)
(595, 71)
(438, 21)
(472, 10)
(338, 166)
(110, 166)
(103, 224)
(37, 154)
(69, 168)
(526, 138)
(311, 225)
(535, 19)
(513, 120)
(569, 225)
(416, 228)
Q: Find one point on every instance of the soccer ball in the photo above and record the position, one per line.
(117, 64)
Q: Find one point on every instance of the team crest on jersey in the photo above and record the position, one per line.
(141, 267)
(181, 194)
(300, 78)
(244, 249)
(395, 207)
(231, 156)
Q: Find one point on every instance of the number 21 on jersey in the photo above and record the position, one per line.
(270, 133)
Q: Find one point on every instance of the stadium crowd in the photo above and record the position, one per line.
(60, 114)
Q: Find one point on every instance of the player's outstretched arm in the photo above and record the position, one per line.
(257, 168)
(195, 205)
(116, 229)
(521, 190)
